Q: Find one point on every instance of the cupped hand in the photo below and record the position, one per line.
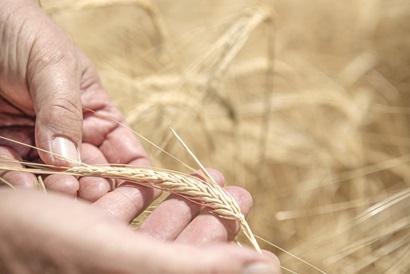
(51, 97)
(59, 235)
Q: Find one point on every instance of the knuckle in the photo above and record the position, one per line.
(57, 56)
(62, 117)
(19, 180)
(50, 53)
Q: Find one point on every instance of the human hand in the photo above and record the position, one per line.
(51, 97)
(45, 84)
(67, 236)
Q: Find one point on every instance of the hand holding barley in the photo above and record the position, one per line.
(46, 82)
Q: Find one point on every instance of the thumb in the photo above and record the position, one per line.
(54, 82)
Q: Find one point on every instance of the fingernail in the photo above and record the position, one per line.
(65, 148)
(261, 268)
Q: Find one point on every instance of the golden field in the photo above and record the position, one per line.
(303, 103)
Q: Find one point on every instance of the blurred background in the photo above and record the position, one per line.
(303, 103)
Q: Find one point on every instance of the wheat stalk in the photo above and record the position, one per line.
(191, 188)
(205, 193)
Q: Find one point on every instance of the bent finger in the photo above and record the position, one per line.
(174, 214)
(105, 126)
(61, 183)
(122, 146)
(208, 227)
(93, 188)
(127, 201)
(18, 179)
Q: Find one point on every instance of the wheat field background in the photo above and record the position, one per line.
(303, 103)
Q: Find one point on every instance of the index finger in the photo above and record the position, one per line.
(174, 214)
(122, 146)
(105, 128)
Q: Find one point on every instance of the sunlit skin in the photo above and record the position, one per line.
(46, 83)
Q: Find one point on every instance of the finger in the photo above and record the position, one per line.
(78, 232)
(127, 201)
(24, 180)
(174, 214)
(93, 188)
(54, 78)
(62, 183)
(121, 146)
(19, 134)
(104, 126)
(100, 115)
(207, 227)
